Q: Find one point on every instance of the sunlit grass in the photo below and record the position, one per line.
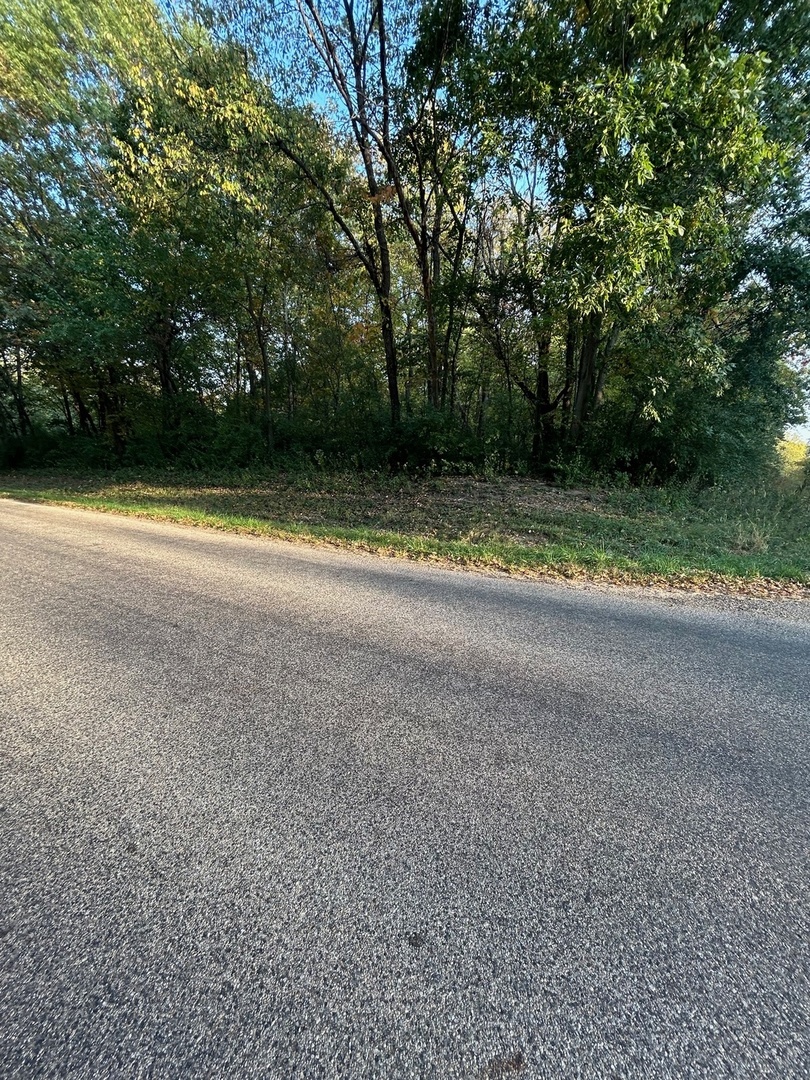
(737, 537)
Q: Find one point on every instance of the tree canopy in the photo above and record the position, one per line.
(521, 236)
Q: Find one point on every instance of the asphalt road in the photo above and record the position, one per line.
(271, 811)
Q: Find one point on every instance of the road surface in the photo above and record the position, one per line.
(275, 811)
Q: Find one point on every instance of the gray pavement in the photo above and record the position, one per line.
(273, 811)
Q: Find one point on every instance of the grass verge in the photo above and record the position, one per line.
(755, 542)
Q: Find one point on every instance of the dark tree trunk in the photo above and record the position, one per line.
(164, 333)
(586, 377)
(433, 373)
(15, 385)
(267, 411)
(256, 307)
(87, 424)
(19, 398)
(571, 342)
(391, 359)
(68, 412)
(542, 426)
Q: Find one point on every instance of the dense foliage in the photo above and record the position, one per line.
(547, 237)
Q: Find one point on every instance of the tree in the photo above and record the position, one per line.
(561, 232)
(620, 154)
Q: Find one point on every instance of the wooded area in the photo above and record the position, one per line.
(557, 238)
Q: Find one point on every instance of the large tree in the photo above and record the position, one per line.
(541, 233)
(628, 145)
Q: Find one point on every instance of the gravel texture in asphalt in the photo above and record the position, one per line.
(283, 812)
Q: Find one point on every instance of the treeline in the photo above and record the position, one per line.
(531, 237)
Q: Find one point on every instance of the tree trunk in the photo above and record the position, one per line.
(391, 360)
(238, 375)
(382, 286)
(251, 374)
(433, 375)
(541, 418)
(587, 374)
(109, 407)
(607, 349)
(267, 413)
(430, 266)
(571, 342)
(163, 335)
(19, 399)
(68, 412)
(15, 386)
(256, 310)
(86, 422)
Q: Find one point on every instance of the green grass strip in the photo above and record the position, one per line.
(577, 559)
